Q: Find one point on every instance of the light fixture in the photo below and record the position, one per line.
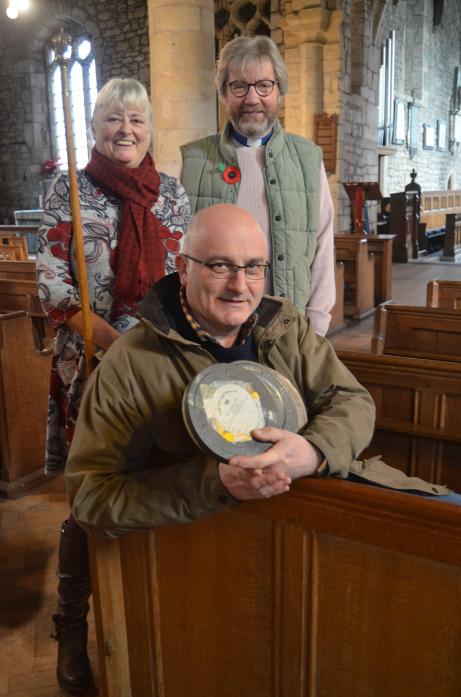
(17, 6)
(12, 12)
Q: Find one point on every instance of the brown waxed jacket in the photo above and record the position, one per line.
(132, 464)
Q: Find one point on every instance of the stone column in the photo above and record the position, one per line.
(182, 60)
(305, 38)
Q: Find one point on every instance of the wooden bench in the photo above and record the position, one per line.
(445, 294)
(359, 274)
(440, 210)
(404, 223)
(418, 332)
(18, 270)
(22, 294)
(380, 246)
(335, 589)
(418, 413)
(28, 231)
(13, 247)
(24, 381)
(337, 313)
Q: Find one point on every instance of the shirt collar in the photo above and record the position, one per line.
(249, 142)
(202, 334)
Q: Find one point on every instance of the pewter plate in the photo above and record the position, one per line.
(226, 401)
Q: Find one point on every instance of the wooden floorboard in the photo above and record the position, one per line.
(409, 283)
(29, 529)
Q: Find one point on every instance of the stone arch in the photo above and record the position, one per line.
(451, 180)
(63, 15)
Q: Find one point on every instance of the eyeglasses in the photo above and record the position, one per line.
(224, 269)
(264, 88)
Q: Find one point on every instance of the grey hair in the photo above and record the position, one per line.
(124, 92)
(247, 50)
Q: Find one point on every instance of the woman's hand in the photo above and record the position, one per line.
(103, 333)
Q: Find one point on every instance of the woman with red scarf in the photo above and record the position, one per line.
(133, 219)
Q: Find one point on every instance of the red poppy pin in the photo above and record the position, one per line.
(231, 175)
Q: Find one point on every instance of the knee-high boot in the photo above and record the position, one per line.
(74, 589)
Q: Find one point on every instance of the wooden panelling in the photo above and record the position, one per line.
(337, 313)
(331, 589)
(359, 277)
(418, 413)
(419, 332)
(446, 294)
(24, 380)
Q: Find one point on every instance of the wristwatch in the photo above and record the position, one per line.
(322, 470)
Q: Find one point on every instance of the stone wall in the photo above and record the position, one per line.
(120, 39)
(427, 59)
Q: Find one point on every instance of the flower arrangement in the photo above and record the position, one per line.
(49, 167)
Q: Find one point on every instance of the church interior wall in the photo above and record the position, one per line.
(349, 44)
(426, 58)
(120, 39)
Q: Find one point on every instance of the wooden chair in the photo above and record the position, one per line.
(446, 294)
(22, 294)
(13, 247)
(418, 332)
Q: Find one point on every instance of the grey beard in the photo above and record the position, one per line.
(253, 130)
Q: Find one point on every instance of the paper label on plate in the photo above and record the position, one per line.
(233, 409)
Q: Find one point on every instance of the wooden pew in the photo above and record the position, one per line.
(404, 224)
(337, 313)
(441, 293)
(452, 239)
(380, 246)
(418, 332)
(13, 247)
(333, 589)
(439, 210)
(359, 274)
(24, 380)
(418, 415)
(28, 231)
(18, 270)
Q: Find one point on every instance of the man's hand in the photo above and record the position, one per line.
(291, 455)
(246, 484)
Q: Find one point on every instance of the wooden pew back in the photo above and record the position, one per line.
(13, 247)
(333, 589)
(446, 294)
(18, 270)
(19, 294)
(337, 313)
(418, 332)
(418, 413)
(359, 276)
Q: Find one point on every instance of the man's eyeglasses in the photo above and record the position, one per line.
(224, 269)
(264, 88)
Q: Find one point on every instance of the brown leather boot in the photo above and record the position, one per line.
(74, 588)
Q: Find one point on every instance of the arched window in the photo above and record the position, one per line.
(82, 92)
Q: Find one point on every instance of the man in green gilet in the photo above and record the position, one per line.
(278, 178)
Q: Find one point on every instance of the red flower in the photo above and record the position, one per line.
(49, 167)
(231, 175)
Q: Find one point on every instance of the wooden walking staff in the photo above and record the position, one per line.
(62, 43)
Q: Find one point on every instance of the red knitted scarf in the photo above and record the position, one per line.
(139, 258)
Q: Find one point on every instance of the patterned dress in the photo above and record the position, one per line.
(59, 293)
